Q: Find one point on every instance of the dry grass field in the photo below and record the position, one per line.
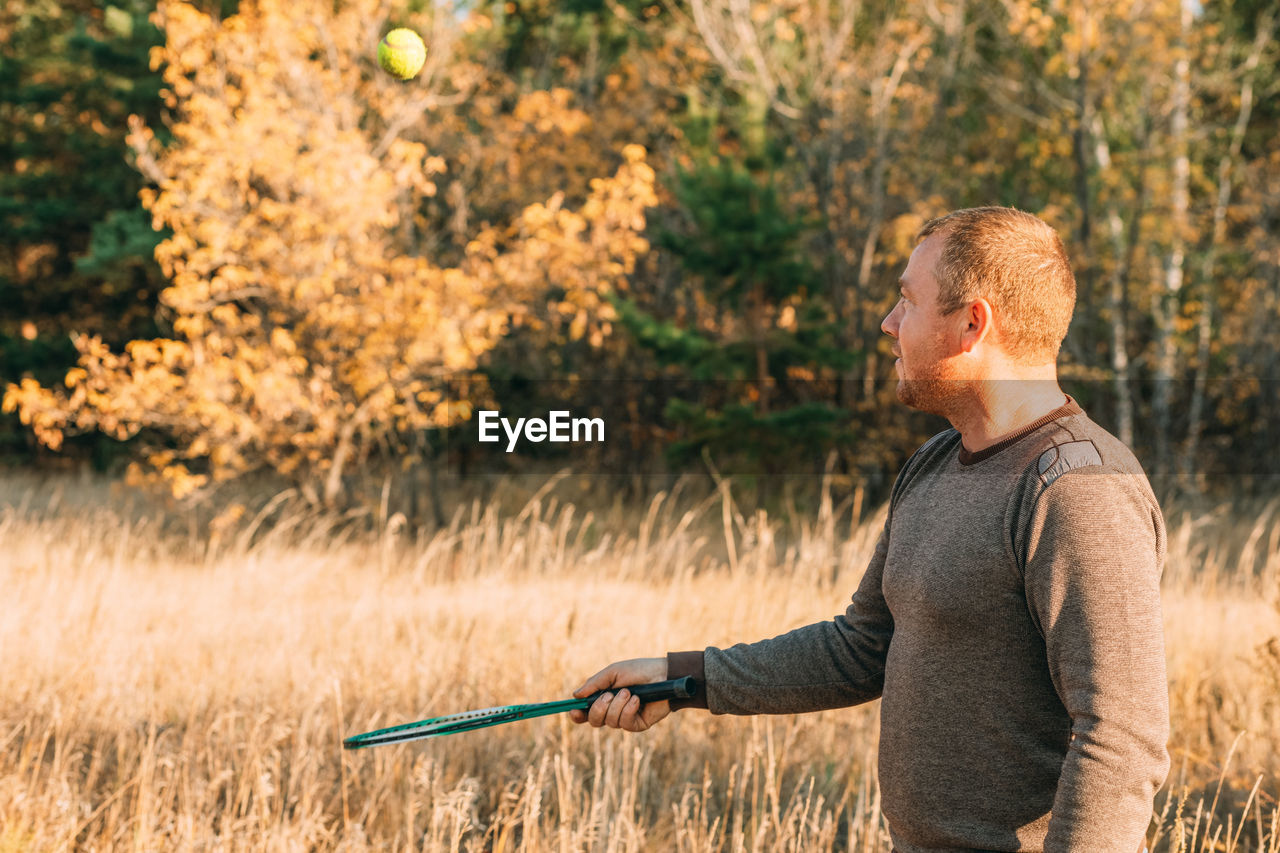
(164, 689)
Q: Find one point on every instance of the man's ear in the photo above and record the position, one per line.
(979, 321)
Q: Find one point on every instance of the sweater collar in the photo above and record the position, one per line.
(1071, 407)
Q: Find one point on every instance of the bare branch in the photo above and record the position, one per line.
(702, 21)
(993, 85)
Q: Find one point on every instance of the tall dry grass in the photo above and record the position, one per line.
(168, 689)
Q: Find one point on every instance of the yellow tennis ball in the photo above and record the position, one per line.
(401, 53)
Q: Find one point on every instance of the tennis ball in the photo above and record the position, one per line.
(401, 53)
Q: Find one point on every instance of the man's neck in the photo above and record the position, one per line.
(1002, 407)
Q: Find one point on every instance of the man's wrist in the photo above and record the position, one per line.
(681, 664)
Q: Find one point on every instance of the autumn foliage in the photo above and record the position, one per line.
(309, 319)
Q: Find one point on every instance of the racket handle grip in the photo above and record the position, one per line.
(676, 688)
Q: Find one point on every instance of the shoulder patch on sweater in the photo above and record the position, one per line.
(1061, 458)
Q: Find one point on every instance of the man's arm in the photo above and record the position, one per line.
(1094, 551)
(825, 665)
(829, 664)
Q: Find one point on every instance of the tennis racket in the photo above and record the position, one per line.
(676, 688)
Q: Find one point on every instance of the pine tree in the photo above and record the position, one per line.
(762, 365)
(75, 243)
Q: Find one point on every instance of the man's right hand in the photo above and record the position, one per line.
(617, 708)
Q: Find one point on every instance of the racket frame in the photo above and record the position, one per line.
(676, 688)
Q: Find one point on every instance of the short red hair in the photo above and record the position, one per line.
(1017, 262)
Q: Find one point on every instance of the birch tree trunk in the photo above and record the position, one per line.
(884, 92)
(1169, 298)
(1226, 166)
(1116, 298)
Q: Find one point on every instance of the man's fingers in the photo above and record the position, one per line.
(622, 710)
(632, 720)
(613, 717)
(596, 714)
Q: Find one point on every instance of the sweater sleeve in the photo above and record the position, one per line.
(830, 664)
(1094, 552)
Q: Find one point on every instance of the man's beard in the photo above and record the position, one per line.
(932, 393)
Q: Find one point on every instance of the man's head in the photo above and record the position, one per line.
(987, 294)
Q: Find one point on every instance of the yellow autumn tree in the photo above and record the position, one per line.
(308, 322)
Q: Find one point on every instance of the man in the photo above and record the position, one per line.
(1009, 619)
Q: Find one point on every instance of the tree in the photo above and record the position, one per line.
(75, 244)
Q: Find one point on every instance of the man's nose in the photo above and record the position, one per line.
(889, 325)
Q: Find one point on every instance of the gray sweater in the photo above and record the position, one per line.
(1010, 622)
